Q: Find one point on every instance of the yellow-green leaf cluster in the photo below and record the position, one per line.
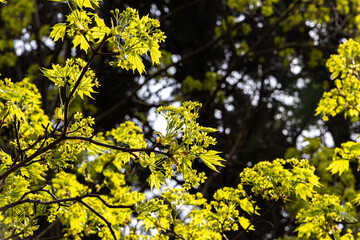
(321, 217)
(227, 212)
(344, 68)
(69, 75)
(128, 134)
(348, 152)
(129, 36)
(21, 102)
(281, 179)
(81, 221)
(135, 37)
(194, 141)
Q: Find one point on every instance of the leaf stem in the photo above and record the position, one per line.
(78, 81)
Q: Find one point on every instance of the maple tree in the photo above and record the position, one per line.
(59, 169)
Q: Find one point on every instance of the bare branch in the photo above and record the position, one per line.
(17, 126)
(199, 50)
(123, 149)
(37, 201)
(78, 199)
(110, 205)
(46, 136)
(60, 201)
(31, 191)
(109, 225)
(66, 120)
(253, 221)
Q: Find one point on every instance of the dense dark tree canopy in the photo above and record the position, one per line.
(259, 72)
(257, 67)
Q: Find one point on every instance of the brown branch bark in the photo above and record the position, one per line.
(253, 221)
(63, 200)
(30, 158)
(108, 224)
(78, 199)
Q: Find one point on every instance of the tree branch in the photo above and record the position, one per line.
(78, 81)
(59, 201)
(17, 126)
(123, 149)
(78, 199)
(66, 120)
(109, 225)
(256, 220)
(110, 205)
(30, 158)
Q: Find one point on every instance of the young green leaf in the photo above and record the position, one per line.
(58, 31)
(304, 229)
(156, 179)
(248, 206)
(136, 63)
(80, 40)
(87, 3)
(245, 223)
(210, 158)
(338, 166)
(155, 54)
(303, 191)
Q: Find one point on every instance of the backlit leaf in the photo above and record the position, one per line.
(338, 166)
(211, 159)
(58, 31)
(303, 191)
(304, 229)
(155, 54)
(245, 223)
(136, 63)
(79, 39)
(156, 179)
(248, 206)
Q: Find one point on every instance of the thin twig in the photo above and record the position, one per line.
(78, 81)
(17, 126)
(40, 235)
(31, 191)
(109, 225)
(62, 200)
(256, 220)
(199, 50)
(45, 136)
(43, 149)
(114, 147)
(110, 205)
(87, 40)
(31, 157)
(13, 235)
